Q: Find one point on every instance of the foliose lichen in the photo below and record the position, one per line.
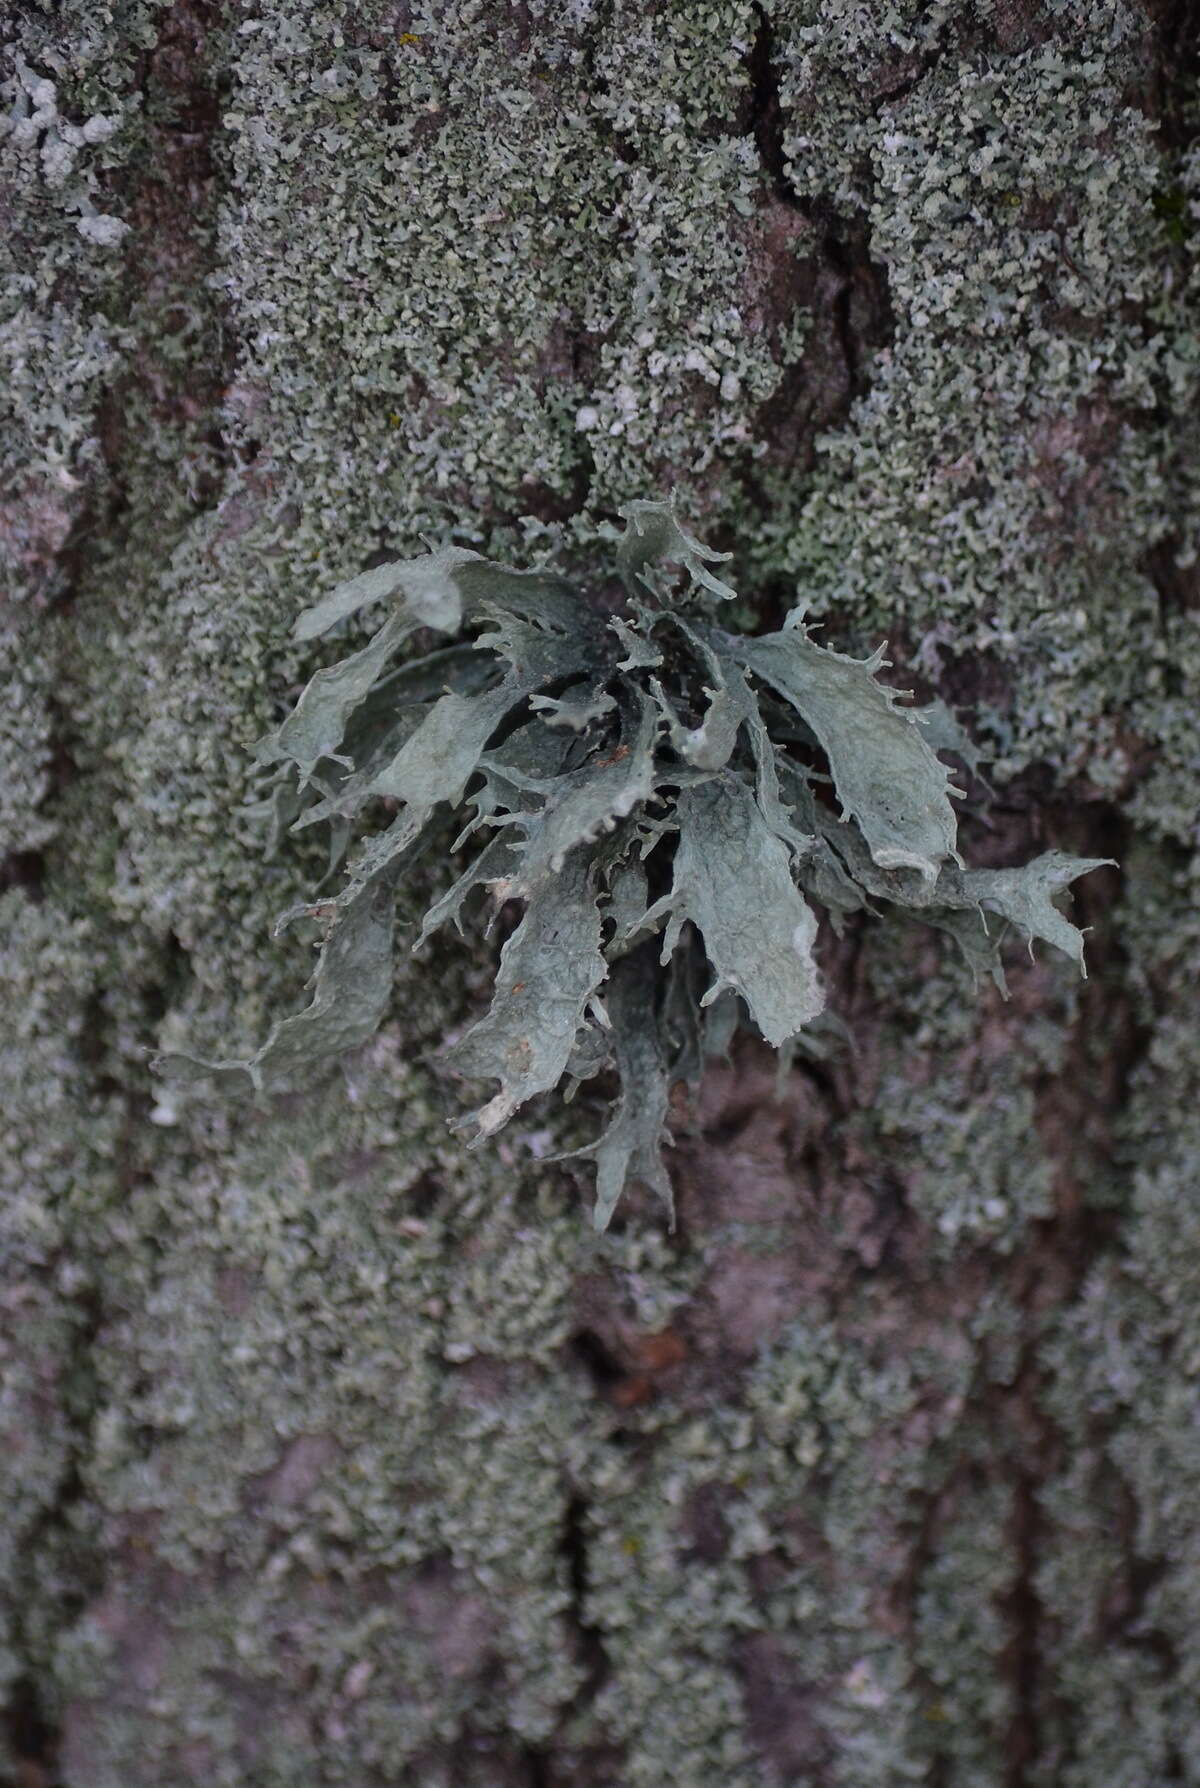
(628, 776)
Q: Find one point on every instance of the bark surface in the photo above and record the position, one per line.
(332, 1453)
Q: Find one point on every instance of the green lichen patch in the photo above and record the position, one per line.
(602, 759)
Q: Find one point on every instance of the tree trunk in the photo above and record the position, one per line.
(337, 1454)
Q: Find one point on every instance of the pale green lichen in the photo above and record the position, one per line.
(608, 762)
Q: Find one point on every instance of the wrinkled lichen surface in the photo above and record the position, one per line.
(333, 1454)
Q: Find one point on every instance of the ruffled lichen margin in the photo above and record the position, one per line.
(333, 1452)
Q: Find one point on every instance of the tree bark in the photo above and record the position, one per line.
(334, 1453)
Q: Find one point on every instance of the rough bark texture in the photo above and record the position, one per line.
(334, 1454)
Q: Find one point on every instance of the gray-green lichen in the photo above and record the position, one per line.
(670, 788)
(290, 1495)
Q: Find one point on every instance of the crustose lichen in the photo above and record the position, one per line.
(656, 792)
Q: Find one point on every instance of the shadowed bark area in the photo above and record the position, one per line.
(334, 1453)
